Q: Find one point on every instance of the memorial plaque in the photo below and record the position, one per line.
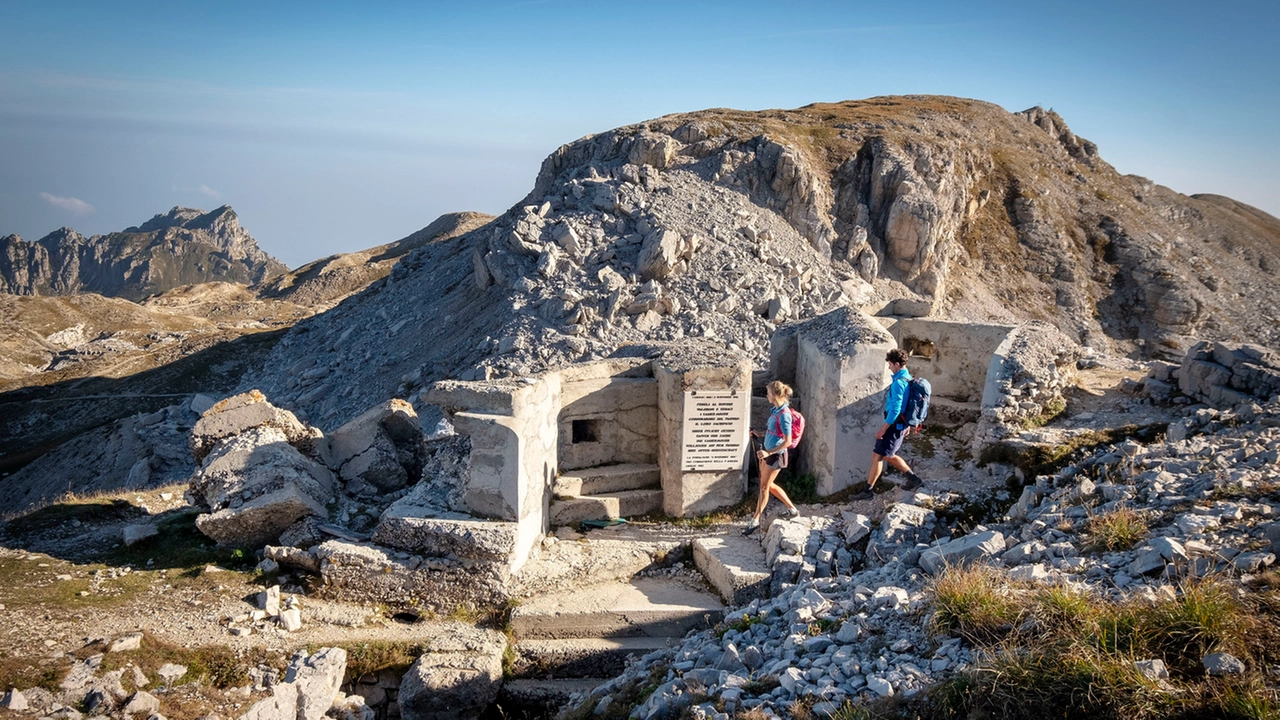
(715, 430)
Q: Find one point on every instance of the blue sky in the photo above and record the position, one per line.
(331, 127)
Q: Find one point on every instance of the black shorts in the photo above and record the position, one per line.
(891, 442)
(777, 461)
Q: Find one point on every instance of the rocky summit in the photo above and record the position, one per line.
(182, 247)
(725, 224)
(537, 422)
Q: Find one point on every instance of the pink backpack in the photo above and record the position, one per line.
(797, 427)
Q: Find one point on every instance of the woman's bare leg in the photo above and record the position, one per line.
(767, 474)
(781, 494)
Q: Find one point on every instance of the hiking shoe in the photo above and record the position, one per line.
(913, 482)
(793, 512)
(864, 495)
(752, 526)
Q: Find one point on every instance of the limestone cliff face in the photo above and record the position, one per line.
(183, 247)
(983, 212)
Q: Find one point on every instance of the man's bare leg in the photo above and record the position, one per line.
(877, 465)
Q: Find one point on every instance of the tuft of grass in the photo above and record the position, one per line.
(742, 625)
(974, 602)
(1204, 618)
(1062, 607)
(1043, 683)
(1077, 659)
(1119, 529)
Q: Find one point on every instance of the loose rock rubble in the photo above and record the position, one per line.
(848, 617)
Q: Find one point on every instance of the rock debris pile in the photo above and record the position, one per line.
(851, 609)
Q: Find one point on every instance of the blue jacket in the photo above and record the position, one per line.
(777, 427)
(896, 400)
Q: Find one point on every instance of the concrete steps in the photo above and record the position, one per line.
(607, 492)
(607, 479)
(734, 565)
(652, 607)
(532, 697)
(628, 503)
(580, 657)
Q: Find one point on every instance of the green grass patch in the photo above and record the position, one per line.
(801, 489)
(1077, 659)
(216, 665)
(180, 544)
(370, 658)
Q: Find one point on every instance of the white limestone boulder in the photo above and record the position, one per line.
(256, 485)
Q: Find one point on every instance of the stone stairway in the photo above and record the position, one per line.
(599, 597)
(565, 642)
(605, 493)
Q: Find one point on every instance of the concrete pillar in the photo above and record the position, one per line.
(840, 376)
(688, 378)
(514, 438)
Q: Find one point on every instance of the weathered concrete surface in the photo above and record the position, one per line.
(361, 571)
(839, 377)
(628, 503)
(457, 676)
(256, 484)
(644, 606)
(607, 479)
(618, 421)
(734, 565)
(419, 530)
(954, 356)
(240, 413)
(381, 450)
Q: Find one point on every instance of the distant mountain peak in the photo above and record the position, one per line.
(180, 247)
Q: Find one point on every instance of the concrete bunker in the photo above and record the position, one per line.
(666, 432)
(981, 374)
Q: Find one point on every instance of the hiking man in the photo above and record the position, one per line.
(889, 437)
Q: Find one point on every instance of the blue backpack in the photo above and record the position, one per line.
(916, 408)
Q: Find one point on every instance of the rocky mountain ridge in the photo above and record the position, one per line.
(725, 224)
(74, 363)
(182, 247)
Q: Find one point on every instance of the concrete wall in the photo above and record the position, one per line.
(622, 413)
(522, 432)
(513, 450)
(954, 356)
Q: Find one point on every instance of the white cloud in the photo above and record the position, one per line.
(206, 190)
(76, 206)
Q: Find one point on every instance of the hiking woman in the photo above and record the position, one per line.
(773, 455)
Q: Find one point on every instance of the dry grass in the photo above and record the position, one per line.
(1072, 655)
(1119, 529)
(975, 602)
